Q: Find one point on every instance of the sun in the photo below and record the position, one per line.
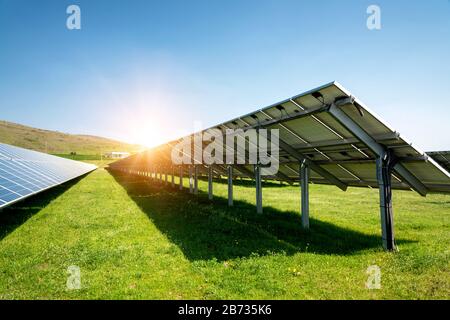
(148, 134)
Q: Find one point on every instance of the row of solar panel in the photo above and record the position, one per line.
(25, 172)
(341, 141)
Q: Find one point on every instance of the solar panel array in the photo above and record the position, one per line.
(24, 172)
(335, 132)
(441, 157)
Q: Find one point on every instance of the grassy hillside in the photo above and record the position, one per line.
(57, 142)
(133, 238)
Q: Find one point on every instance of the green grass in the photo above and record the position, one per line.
(80, 157)
(136, 239)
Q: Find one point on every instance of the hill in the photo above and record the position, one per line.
(55, 142)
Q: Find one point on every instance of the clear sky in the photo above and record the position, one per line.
(144, 71)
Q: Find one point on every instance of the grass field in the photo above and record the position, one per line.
(80, 157)
(136, 239)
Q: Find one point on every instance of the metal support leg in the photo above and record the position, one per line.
(230, 186)
(181, 177)
(191, 182)
(259, 208)
(173, 177)
(384, 170)
(195, 179)
(210, 183)
(304, 179)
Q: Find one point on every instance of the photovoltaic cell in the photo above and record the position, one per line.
(25, 172)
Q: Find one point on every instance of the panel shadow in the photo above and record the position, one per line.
(205, 229)
(15, 215)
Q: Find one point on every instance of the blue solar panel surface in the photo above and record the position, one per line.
(25, 172)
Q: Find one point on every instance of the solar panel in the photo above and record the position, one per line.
(441, 157)
(24, 173)
(312, 127)
(327, 136)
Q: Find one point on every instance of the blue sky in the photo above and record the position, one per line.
(144, 71)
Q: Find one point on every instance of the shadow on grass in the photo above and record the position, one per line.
(206, 229)
(17, 214)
